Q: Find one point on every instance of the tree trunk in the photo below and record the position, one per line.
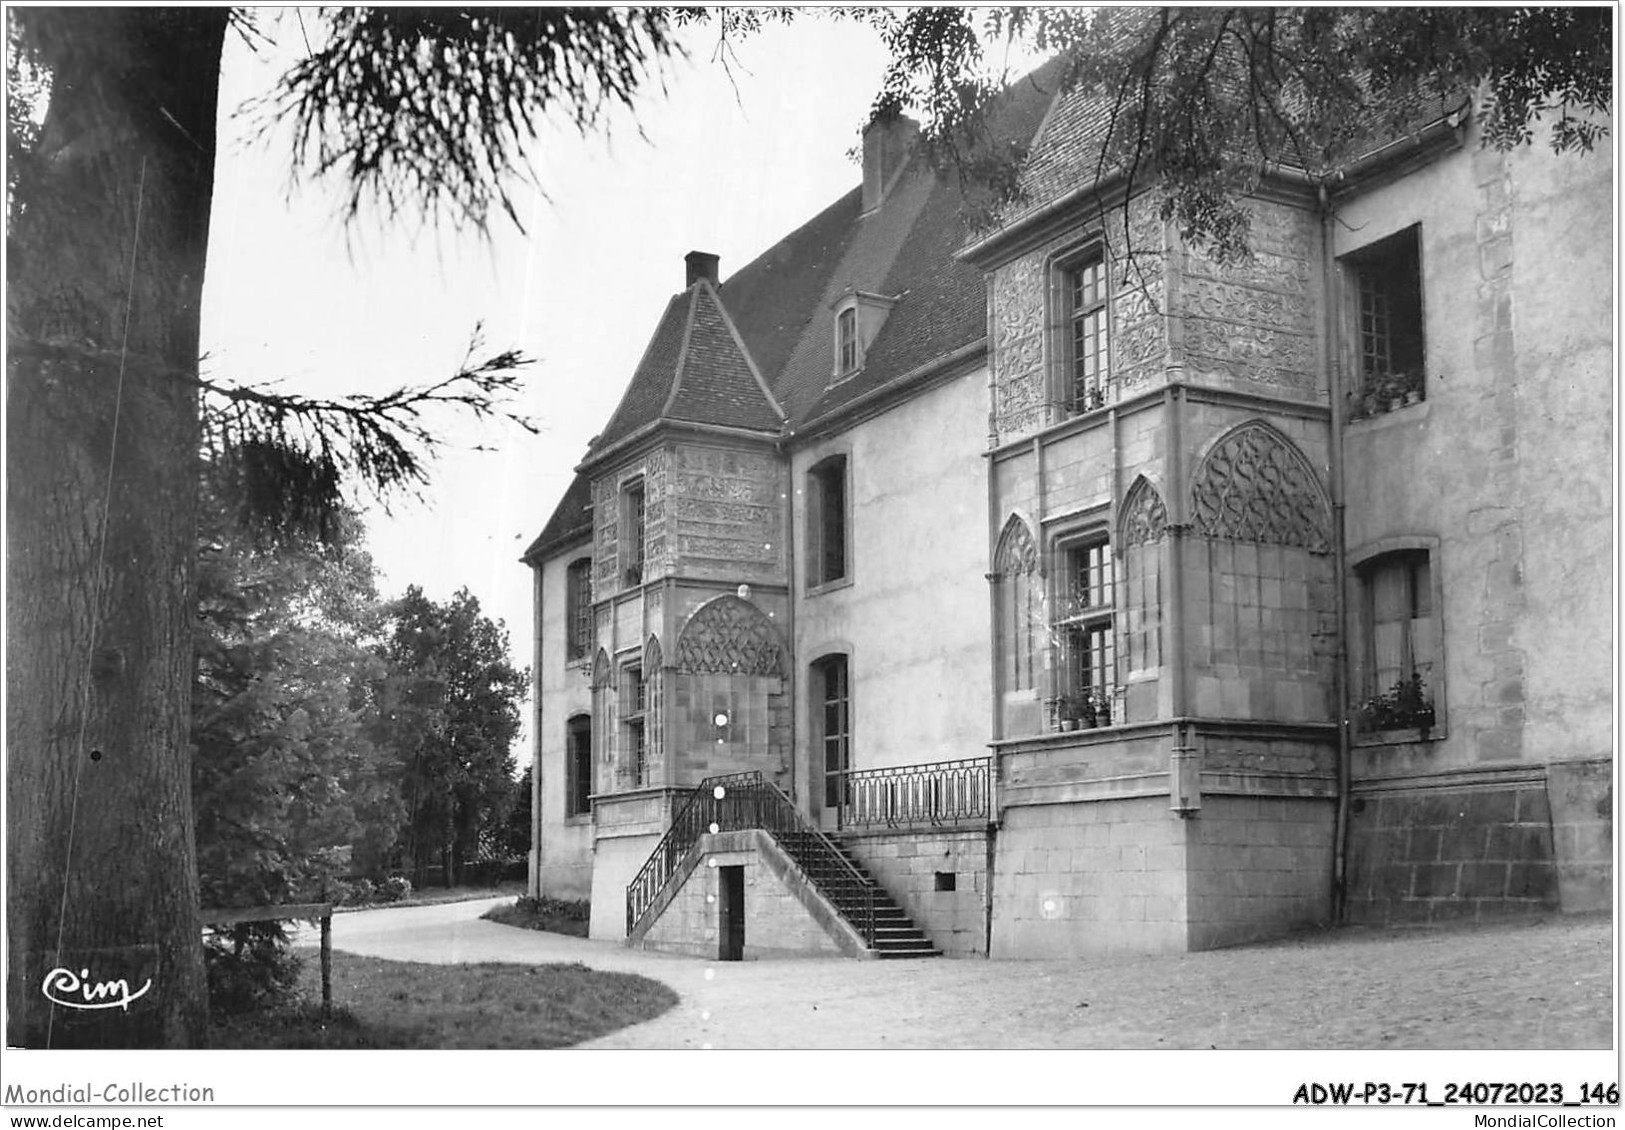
(107, 247)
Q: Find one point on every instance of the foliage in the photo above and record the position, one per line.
(353, 892)
(1208, 99)
(394, 888)
(449, 711)
(286, 458)
(513, 841)
(1406, 705)
(424, 107)
(284, 775)
(249, 967)
(553, 915)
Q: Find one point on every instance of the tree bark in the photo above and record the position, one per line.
(107, 247)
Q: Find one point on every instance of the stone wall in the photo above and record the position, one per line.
(1259, 867)
(1444, 854)
(1075, 880)
(1581, 795)
(616, 861)
(912, 614)
(908, 865)
(778, 922)
(563, 854)
(1517, 300)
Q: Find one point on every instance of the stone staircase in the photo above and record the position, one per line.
(745, 801)
(896, 936)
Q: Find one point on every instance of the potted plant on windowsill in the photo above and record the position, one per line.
(1404, 706)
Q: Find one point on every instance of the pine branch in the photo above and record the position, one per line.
(287, 458)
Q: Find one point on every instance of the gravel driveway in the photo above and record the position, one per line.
(1540, 984)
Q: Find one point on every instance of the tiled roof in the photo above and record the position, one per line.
(781, 304)
(695, 369)
(716, 382)
(571, 520)
(773, 298)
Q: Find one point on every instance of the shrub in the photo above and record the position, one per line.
(249, 968)
(394, 888)
(355, 892)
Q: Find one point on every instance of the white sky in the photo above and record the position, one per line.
(292, 294)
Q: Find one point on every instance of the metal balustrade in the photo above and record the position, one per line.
(937, 793)
(742, 801)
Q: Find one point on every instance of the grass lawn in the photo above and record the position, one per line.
(552, 915)
(397, 1004)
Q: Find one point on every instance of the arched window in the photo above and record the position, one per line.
(1142, 525)
(654, 712)
(1020, 614)
(602, 709)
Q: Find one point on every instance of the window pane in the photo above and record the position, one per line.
(1388, 641)
(1390, 600)
(1422, 587)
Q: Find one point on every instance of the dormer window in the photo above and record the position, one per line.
(858, 318)
(846, 338)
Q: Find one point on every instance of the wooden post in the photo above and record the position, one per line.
(327, 967)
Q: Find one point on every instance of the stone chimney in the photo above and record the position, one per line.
(701, 265)
(886, 146)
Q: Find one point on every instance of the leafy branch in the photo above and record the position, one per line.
(285, 458)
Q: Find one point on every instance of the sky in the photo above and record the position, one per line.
(724, 160)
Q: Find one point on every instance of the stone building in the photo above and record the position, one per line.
(1053, 589)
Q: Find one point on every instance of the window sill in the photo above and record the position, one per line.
(1404, 414)
(578, 819)
(1400, 737)
(829, 586)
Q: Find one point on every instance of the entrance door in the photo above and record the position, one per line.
(731, 908)
(832, 694)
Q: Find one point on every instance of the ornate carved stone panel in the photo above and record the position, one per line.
(606, 529)
(1139, 351)
(1256, 486)
(1253, 322)
(732, 637)
(1144, 518)
(725, 508)
(1018, 345)
(1016, 553)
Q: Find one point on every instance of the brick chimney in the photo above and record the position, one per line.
(701, 265)
(886, 146)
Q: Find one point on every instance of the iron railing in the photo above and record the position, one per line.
(742, 801)
(942, 792)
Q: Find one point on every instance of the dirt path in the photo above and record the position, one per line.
(1546, 984)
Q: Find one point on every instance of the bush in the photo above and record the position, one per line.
(354, 892)
(250, 968)
(558, 916)
(394, 888)
(575, 910)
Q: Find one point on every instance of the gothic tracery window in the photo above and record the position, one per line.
(1020, 613)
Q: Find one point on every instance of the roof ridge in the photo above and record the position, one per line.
(744, 350)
